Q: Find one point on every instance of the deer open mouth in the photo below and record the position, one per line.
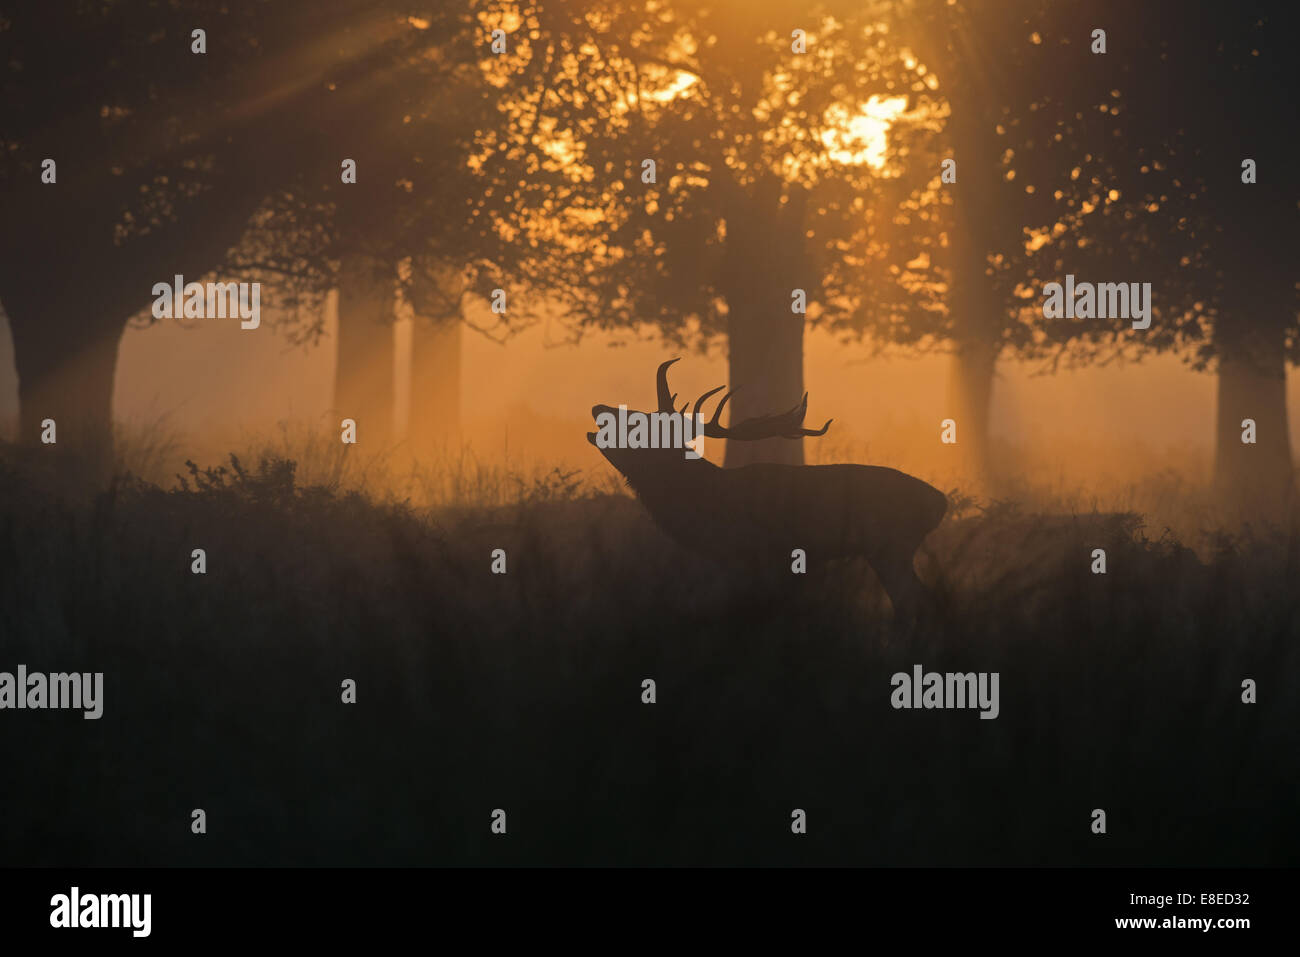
(596, 412)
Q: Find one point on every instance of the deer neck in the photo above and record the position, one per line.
(670, 483)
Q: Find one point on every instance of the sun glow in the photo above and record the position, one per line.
(862, 138)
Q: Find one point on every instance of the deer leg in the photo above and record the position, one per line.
(906, 593)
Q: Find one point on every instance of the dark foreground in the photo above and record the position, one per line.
(523, 691)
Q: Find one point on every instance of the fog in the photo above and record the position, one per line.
(211, 387)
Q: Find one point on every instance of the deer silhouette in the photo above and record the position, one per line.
(756, 515)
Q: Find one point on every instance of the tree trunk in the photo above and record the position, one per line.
(69, 290)
(976, 328)
(982, 225)
(970, 391)
(1255, 481)
(71, 384)
(764, 264)
(363, 378)
(434, 423)
(765, 368)
(976, 315)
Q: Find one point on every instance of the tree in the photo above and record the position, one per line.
(709, 162)
(1026, 110)
(408, 220)
(1131, 162)
(1218, 88)
(1160, 197)
(162, 155)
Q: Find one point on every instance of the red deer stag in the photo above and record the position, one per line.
(758, 514)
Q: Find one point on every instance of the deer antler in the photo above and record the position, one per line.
(666, 398)
(788, 425)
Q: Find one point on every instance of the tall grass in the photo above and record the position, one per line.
(523, 691)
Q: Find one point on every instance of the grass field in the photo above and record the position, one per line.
(523, 691)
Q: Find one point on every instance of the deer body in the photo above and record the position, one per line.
(758, 514)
